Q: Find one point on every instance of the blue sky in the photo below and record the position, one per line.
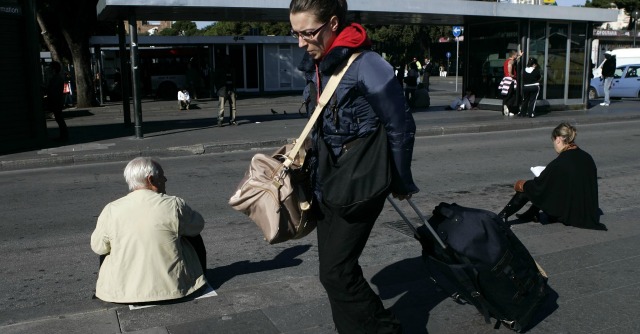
(570, 3)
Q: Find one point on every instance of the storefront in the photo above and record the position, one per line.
(561, 49)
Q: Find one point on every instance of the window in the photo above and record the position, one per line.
(618, 73)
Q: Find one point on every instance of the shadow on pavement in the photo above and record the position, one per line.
(408, 278)
(287, 258)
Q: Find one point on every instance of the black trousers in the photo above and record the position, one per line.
(530, 96)
(354, 305)
(62, 125)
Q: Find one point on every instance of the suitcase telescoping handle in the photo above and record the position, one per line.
(422, 217)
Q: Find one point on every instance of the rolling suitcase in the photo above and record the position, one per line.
(475, 257)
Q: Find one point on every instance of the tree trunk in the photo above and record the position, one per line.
(52, 33)
(78, 20)
(67, 26)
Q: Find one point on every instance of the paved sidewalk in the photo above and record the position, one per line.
(98, 134)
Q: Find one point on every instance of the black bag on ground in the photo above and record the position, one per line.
(484, 264)
(361, 174)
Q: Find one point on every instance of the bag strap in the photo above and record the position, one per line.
(324, 99)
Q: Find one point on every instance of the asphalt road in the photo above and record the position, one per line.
(48, 269)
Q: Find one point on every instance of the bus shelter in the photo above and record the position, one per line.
(559, 37)
(265, 64)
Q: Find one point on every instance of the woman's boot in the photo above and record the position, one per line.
(531, 215)
(515, 204)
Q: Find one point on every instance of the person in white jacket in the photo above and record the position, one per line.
(184, 101)
(149, 243)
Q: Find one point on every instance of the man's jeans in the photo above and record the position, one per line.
(607, 86)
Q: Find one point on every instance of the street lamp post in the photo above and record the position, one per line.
(635, 14)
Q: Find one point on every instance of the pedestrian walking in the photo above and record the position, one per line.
(368, 104)
(530, 88)
(55, 99)
(608, 68)
(225, 81)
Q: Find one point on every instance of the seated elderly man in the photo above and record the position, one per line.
(184, 100)
(149, 242)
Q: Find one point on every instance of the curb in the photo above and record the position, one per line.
(213, 147)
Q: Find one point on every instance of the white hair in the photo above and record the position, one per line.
(138, 170)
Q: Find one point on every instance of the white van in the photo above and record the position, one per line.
(627, 56)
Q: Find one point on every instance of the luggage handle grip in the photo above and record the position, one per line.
(422, 217)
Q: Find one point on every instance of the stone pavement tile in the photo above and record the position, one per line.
(322, 329)
(81, 323)
(166, 315)
(300, 316)
(606, 267)
(241, 323)
(599, 313)
(308, 288)
(261, 296)
(448, 317)
(155, 330)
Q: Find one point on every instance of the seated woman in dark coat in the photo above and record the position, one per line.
(566, 190)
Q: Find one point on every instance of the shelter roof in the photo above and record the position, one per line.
(434, 12)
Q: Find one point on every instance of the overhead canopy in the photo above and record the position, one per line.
(433, 12)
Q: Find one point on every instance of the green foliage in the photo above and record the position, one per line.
(403, 42)
(628, 5)
(181, 28)
(233, 28)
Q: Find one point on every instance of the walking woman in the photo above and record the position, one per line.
(531, 88)
(566, 190)
(368, 101)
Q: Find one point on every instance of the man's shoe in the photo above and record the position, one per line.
(219, 124)
(604, 104)
(233, 123)
(505, 110)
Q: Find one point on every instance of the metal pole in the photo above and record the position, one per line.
(457, 57)
(635, 14)
(135, 74)
(125, 80)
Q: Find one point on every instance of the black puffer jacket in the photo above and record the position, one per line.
(368, 94)
(609, 66)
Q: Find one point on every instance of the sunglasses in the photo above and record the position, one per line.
(307, 35)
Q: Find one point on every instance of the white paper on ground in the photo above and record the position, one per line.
(208, 292)
(537, 170)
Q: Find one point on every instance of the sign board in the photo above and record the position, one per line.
(456, 30)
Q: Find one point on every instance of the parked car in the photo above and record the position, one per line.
(626, 83)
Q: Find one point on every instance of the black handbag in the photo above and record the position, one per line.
(360, 175)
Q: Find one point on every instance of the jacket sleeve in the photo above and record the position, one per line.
(190, 222)
(385, 95)
(100, 240)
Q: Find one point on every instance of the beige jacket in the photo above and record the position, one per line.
(148, 260)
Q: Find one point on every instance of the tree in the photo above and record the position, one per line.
(181, 28)
(71, 21)
(404, 41)
(234, 28)
(628, 5)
